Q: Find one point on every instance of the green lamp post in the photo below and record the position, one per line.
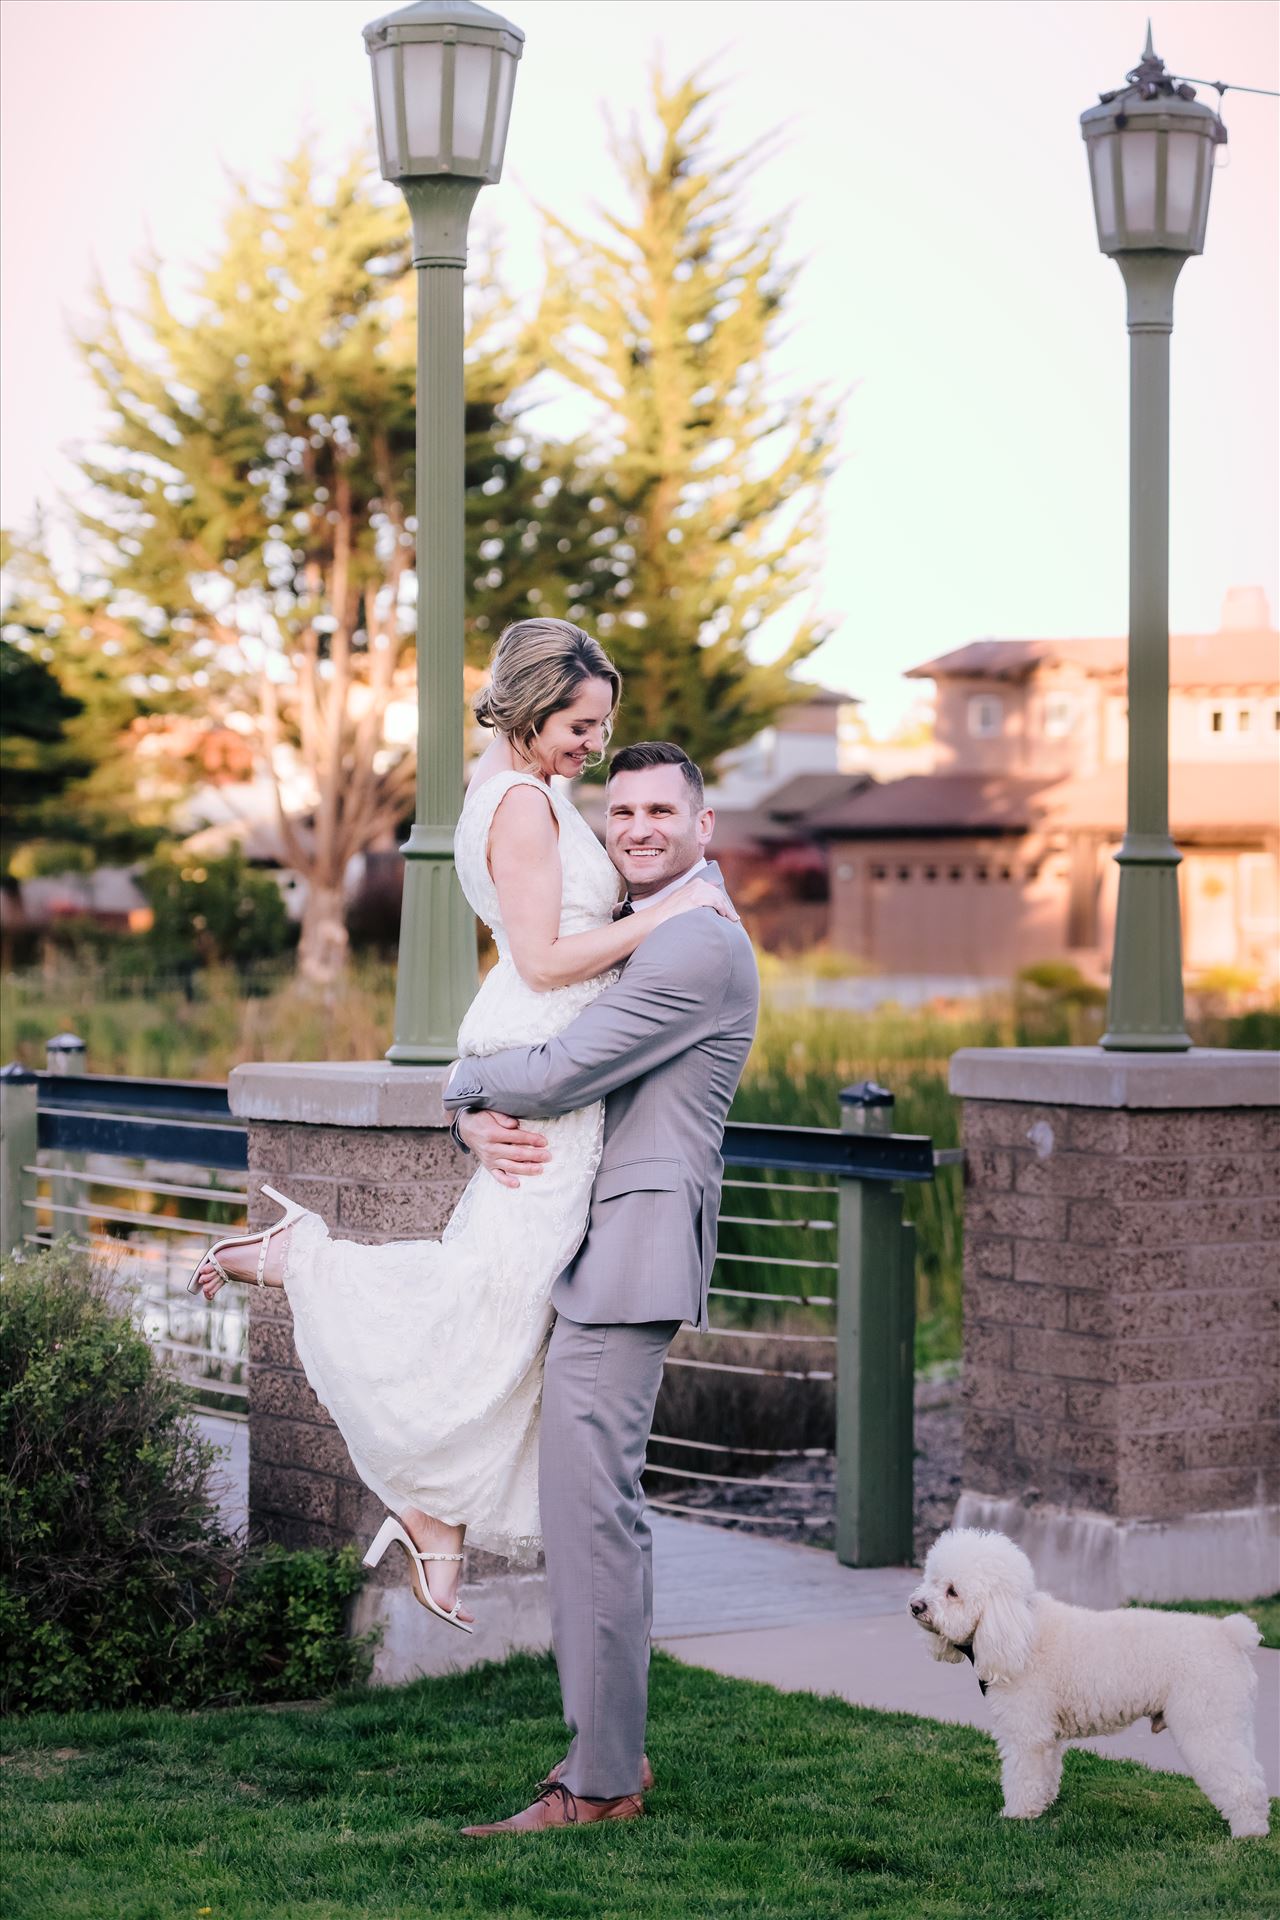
(1151, 150)
(443, 77)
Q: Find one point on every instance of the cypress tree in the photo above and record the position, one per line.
(667, 320)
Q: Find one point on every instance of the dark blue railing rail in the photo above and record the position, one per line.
(188, 1121)
(191, 1121)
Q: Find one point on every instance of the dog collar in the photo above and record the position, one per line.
(968, 1654)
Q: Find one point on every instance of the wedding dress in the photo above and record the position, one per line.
(428, 1353)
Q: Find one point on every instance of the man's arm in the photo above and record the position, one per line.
(669, 998)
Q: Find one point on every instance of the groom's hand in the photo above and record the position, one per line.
(505, 1148)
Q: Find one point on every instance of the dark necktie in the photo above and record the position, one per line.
(621, 913)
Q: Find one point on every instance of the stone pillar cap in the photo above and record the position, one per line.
(342, 1093)
(1093, 1077)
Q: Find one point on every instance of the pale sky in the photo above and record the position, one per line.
(952, 283)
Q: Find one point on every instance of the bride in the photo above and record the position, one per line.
(428, 1353)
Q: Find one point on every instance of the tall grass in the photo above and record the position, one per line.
(803, 1057)
(199, 1027)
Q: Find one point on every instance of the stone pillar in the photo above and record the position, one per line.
(366, 1145)
(1122, 1317)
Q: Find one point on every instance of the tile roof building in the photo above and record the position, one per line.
(1000, 854)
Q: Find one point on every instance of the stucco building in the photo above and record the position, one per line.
(1001, 856)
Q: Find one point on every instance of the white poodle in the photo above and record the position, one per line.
(1054, 1673)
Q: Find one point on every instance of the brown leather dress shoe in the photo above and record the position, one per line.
(555, 1806)
(646, 1774)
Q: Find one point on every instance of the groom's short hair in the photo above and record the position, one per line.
(660, 753)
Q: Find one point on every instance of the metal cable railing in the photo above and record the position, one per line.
(769, 1453)
(729, 1476)
(102, 1148)
(117, 1159)
(761, 1373)
(720, 1514)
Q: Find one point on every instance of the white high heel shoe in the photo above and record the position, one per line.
(391, 1533)
(292, 1213)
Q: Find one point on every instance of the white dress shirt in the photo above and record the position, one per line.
(672, 886)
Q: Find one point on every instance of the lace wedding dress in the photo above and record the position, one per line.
(428, 1353)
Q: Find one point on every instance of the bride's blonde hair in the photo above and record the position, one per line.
(537, 668)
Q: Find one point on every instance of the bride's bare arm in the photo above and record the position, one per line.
(524, 859)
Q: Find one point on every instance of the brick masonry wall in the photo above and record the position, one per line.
(368, 1184)
(1122, 1307)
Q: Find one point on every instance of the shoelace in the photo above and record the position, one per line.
(570, 1804)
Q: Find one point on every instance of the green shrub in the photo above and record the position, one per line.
(1259, 1029)
(1055, 1006)
(110, 1546)
(208, 911)
(1062, 978)
(280, 1633)
(118, 1584)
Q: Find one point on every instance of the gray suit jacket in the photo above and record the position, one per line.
(664, 1047)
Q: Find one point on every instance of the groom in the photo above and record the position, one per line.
(664, 1047)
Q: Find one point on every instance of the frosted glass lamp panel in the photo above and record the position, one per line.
(1102, 159)
(1181, 177)
(502, 108)
(1138, 169)
(384, 93)
(423, 91)
(470, 103)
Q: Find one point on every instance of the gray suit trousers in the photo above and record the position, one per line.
(598, 1397)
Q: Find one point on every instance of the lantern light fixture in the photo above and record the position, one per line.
(1151, 147)
(443, 79)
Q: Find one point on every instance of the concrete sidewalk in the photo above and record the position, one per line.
(794, 1618)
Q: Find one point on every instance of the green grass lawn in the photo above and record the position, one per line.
(767, 1805)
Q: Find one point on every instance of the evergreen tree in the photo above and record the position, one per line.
(667, 321)
(37, 762)
(253, 499)
(76, 680)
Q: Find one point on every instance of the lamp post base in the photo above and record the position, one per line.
(436, 973)
(1144, 1013)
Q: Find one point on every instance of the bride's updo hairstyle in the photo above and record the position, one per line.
(537, 669)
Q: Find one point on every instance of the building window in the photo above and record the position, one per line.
(931, 873)
(1216, 720)
(1060, 716)
(904, 873)
(955, 873)
(879, 873)
(1275, 719)
(986, 716)
(1006, 873)
(1244, 719)
(982, 873)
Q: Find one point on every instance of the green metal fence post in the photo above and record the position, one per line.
(875, 1380)
(18, 1137)
(905, 1407)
